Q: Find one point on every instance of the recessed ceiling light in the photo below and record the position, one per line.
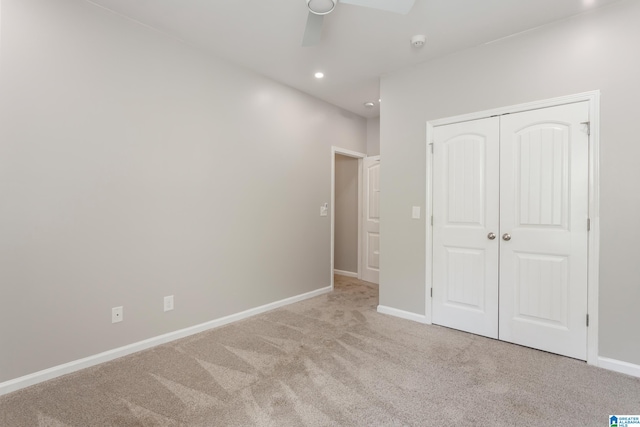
(319, 75)
(379, 99)
(369, 104)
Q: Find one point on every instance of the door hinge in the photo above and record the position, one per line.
(588, 224)
(431, 145)
(432, 220)
(588, 124)
(431, 292)
(587, 320)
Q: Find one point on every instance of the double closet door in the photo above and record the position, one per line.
(510, 207)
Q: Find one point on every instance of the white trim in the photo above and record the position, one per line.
(619, 366)
(359, 263)
(593, 274)
(349, 153)
(593, 285)
(96, 359)
(382, 309)
(346, 273)
(428, 266)
(535, 105)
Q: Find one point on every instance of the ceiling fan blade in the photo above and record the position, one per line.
(313, 31)
(396, 6)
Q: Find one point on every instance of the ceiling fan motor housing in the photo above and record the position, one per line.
(321, 7)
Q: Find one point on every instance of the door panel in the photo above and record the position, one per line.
(544, 208)
(371, 223)
(463, 267)
(541, 290)
(465, 209)
(540, 155)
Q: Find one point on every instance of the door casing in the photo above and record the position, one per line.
(593, 98)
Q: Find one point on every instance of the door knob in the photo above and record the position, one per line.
(491, 236)
(506, 236)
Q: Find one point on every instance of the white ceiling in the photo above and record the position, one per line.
(358, 44)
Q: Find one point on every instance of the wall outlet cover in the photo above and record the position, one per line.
(168, 303)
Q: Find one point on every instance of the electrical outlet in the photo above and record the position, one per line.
(116, 314)
(168, 303)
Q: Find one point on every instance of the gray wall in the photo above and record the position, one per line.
(596, 50)
(133, 167)
(346, 211)
(373, 136)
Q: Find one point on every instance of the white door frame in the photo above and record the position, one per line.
(593, 98)
(356, 155)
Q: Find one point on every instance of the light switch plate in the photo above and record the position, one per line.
(324, 209)
(415, 212)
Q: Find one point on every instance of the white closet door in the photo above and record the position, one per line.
(544, 210)
(371, 223)
(465, 208)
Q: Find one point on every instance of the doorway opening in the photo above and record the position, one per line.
(345, 257)
(346, 200)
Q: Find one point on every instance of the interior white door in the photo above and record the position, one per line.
(371, 224)
(544, 211)
(465, 226)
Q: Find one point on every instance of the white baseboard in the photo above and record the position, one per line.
(345, 273)
(420, 318)
(619, 366)
(603, 362)
(67, 368)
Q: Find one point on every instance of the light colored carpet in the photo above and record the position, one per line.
(329, 361)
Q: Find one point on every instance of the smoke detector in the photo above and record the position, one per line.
(418, 40)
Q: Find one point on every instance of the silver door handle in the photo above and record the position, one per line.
(506, 236)
(491, 236)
